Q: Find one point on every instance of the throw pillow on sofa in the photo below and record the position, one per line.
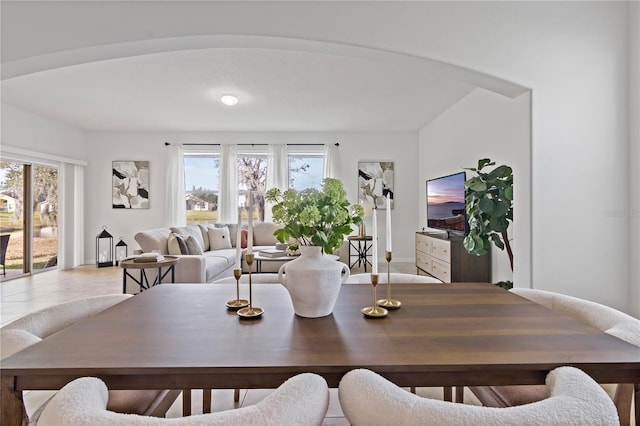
(176, 244)
(233, 229)
(244, 237)
(219, 238)
(192, 230)
(193, 246)
(183, 244)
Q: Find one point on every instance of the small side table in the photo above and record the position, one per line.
(169, 262)
(362, 247)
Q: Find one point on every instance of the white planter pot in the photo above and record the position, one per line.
(313, 281)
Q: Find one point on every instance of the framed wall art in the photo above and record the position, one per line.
(375, 181)
(130, 184)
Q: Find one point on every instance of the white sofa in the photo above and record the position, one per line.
(213, 264)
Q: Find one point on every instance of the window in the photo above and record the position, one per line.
(305, 165)
(306, 171)
(252, 176)
(202, 186)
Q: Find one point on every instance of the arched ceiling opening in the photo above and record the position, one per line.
(174, 84)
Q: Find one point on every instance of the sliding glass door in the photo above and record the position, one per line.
(28, 218)
(45, 218)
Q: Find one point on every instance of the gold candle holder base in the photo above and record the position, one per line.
(389, 303)
(250, 312)
(374, 311)
(237, 303)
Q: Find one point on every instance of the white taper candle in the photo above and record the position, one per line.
(238, 241)
(388, 223)
(250, 233)
(374, 236)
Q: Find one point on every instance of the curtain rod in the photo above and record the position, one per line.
(253, 144)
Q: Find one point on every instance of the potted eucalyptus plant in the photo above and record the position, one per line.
(489, 207)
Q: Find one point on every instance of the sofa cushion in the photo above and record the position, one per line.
(193, 246)
(244, 236)
(204, 228)
(176, 245)
(263, 233)
(233, 229)
(154, 239)
(214, 265)
(192, 230)
(219, 238)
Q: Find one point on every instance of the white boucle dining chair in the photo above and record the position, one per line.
(396, 277)
(255, 279)
(302, 400)
(604, 318)
(36, 326)
(369, 399)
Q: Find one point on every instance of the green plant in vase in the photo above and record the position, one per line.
(315, 217)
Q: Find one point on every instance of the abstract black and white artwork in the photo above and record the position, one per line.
(130, 184)
(375, 181)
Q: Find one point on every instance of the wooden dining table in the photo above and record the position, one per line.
(181, 336)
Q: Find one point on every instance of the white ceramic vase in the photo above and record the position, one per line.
(313, 281)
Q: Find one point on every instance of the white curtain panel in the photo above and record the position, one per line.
(228, 196)
(330, 151)
(277, 173)
(175, 196)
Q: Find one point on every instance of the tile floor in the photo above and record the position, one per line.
(24, 295)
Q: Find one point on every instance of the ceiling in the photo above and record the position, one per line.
(279, 90)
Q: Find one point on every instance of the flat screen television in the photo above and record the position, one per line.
(445, 203)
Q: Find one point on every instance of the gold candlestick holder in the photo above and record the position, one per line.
(237, 303)
(374, 311)
(250, 311)
(389, 303)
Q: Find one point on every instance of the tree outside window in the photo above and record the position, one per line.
(201, 179)
(252, 176)
(306, 171)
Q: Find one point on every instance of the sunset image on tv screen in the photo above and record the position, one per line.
(445, 195)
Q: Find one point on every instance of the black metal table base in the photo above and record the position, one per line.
(143, 281)
(362, 253)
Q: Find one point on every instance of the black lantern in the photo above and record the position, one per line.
(121, 251)
(104, 249)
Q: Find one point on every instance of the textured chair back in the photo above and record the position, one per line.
(255, 279)
(396, 277)
(604, 318)
(50, 320)
(302, 400)
(575, 400)
(30, 329)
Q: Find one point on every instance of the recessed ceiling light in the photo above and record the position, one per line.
(229, 100)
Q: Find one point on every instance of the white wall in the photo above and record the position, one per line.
(634, 156)
(478, 126)
(32, 138)
(28, 131)
(573, 55)
(105, 147)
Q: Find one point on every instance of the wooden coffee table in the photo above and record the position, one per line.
(444, 335)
